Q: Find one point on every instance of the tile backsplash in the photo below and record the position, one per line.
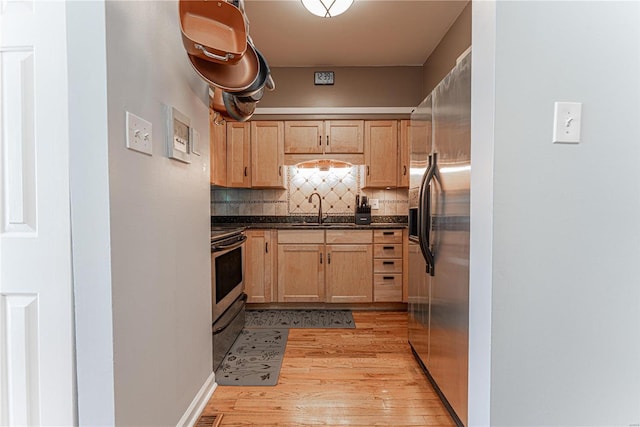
(337, 187)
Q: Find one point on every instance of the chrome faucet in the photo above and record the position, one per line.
(319, 206)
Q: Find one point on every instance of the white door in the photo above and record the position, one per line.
(36, 309)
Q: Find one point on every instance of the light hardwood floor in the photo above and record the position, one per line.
(365, 376)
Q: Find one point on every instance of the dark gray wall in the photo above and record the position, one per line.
(354, 87)
(443, 58)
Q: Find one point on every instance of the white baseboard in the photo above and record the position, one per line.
(199, 402)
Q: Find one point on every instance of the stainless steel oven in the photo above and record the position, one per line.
(227, 288)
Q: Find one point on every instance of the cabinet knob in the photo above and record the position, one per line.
(319, 139)
(245, 171)
(327, 139)
(329, 258)
(266, 247)
(320, 257)
(404, 170)
(279, 170)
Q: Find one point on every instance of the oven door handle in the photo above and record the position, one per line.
(218, 248)
(226, 325)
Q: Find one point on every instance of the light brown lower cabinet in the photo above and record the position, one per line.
(301, 273)
(388, 265)
(259, 266)
(341, 266)
(349, 275)
(301, 262)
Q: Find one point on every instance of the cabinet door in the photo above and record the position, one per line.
(403, 153)
(303, 137)
(301, 273)
(381, 151)
(217, 152)
(259, 266)
(238, 173)
(344, 282)
(344, 136)
(267, 154)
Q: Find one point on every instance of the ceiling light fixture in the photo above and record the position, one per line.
(327, 8)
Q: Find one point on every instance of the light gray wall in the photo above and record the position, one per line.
(90, 223)
(142, 259)
(159, 220)
(566, 230)
(481, 239)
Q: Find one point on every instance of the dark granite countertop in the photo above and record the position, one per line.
(309, 222)
(326, 226)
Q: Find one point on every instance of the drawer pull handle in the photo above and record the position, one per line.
(389, 248)
(388, 233)
(388, 262)
(387, 278)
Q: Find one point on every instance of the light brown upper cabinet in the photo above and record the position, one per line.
(381, 153)
(304, 137)
(344, 136)
(217, 152)
(238, 152)
(314, 139)
(403, 153)
(267, 154)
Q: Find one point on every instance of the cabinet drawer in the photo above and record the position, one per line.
(387, 265)
(387, 287)
(348, 236)
(301, 236)
(387, 236)
(387, 250)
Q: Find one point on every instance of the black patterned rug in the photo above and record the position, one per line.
(255, 358)
(299, 319)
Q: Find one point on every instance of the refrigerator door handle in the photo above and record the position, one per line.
(424, 214)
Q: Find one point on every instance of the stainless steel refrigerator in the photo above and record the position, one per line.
(439, 236)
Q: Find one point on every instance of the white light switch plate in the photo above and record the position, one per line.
(374, 203)
(195, 141)
(566, 122)
(139, 135)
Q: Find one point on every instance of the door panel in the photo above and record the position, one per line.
(344, 282)
(36, 310)
(301, 273)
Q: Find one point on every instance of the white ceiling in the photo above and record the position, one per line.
(370, 33)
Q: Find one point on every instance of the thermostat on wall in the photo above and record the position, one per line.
(323, 77)
(178, 135)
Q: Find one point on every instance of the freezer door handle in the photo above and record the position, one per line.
(424, 220)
